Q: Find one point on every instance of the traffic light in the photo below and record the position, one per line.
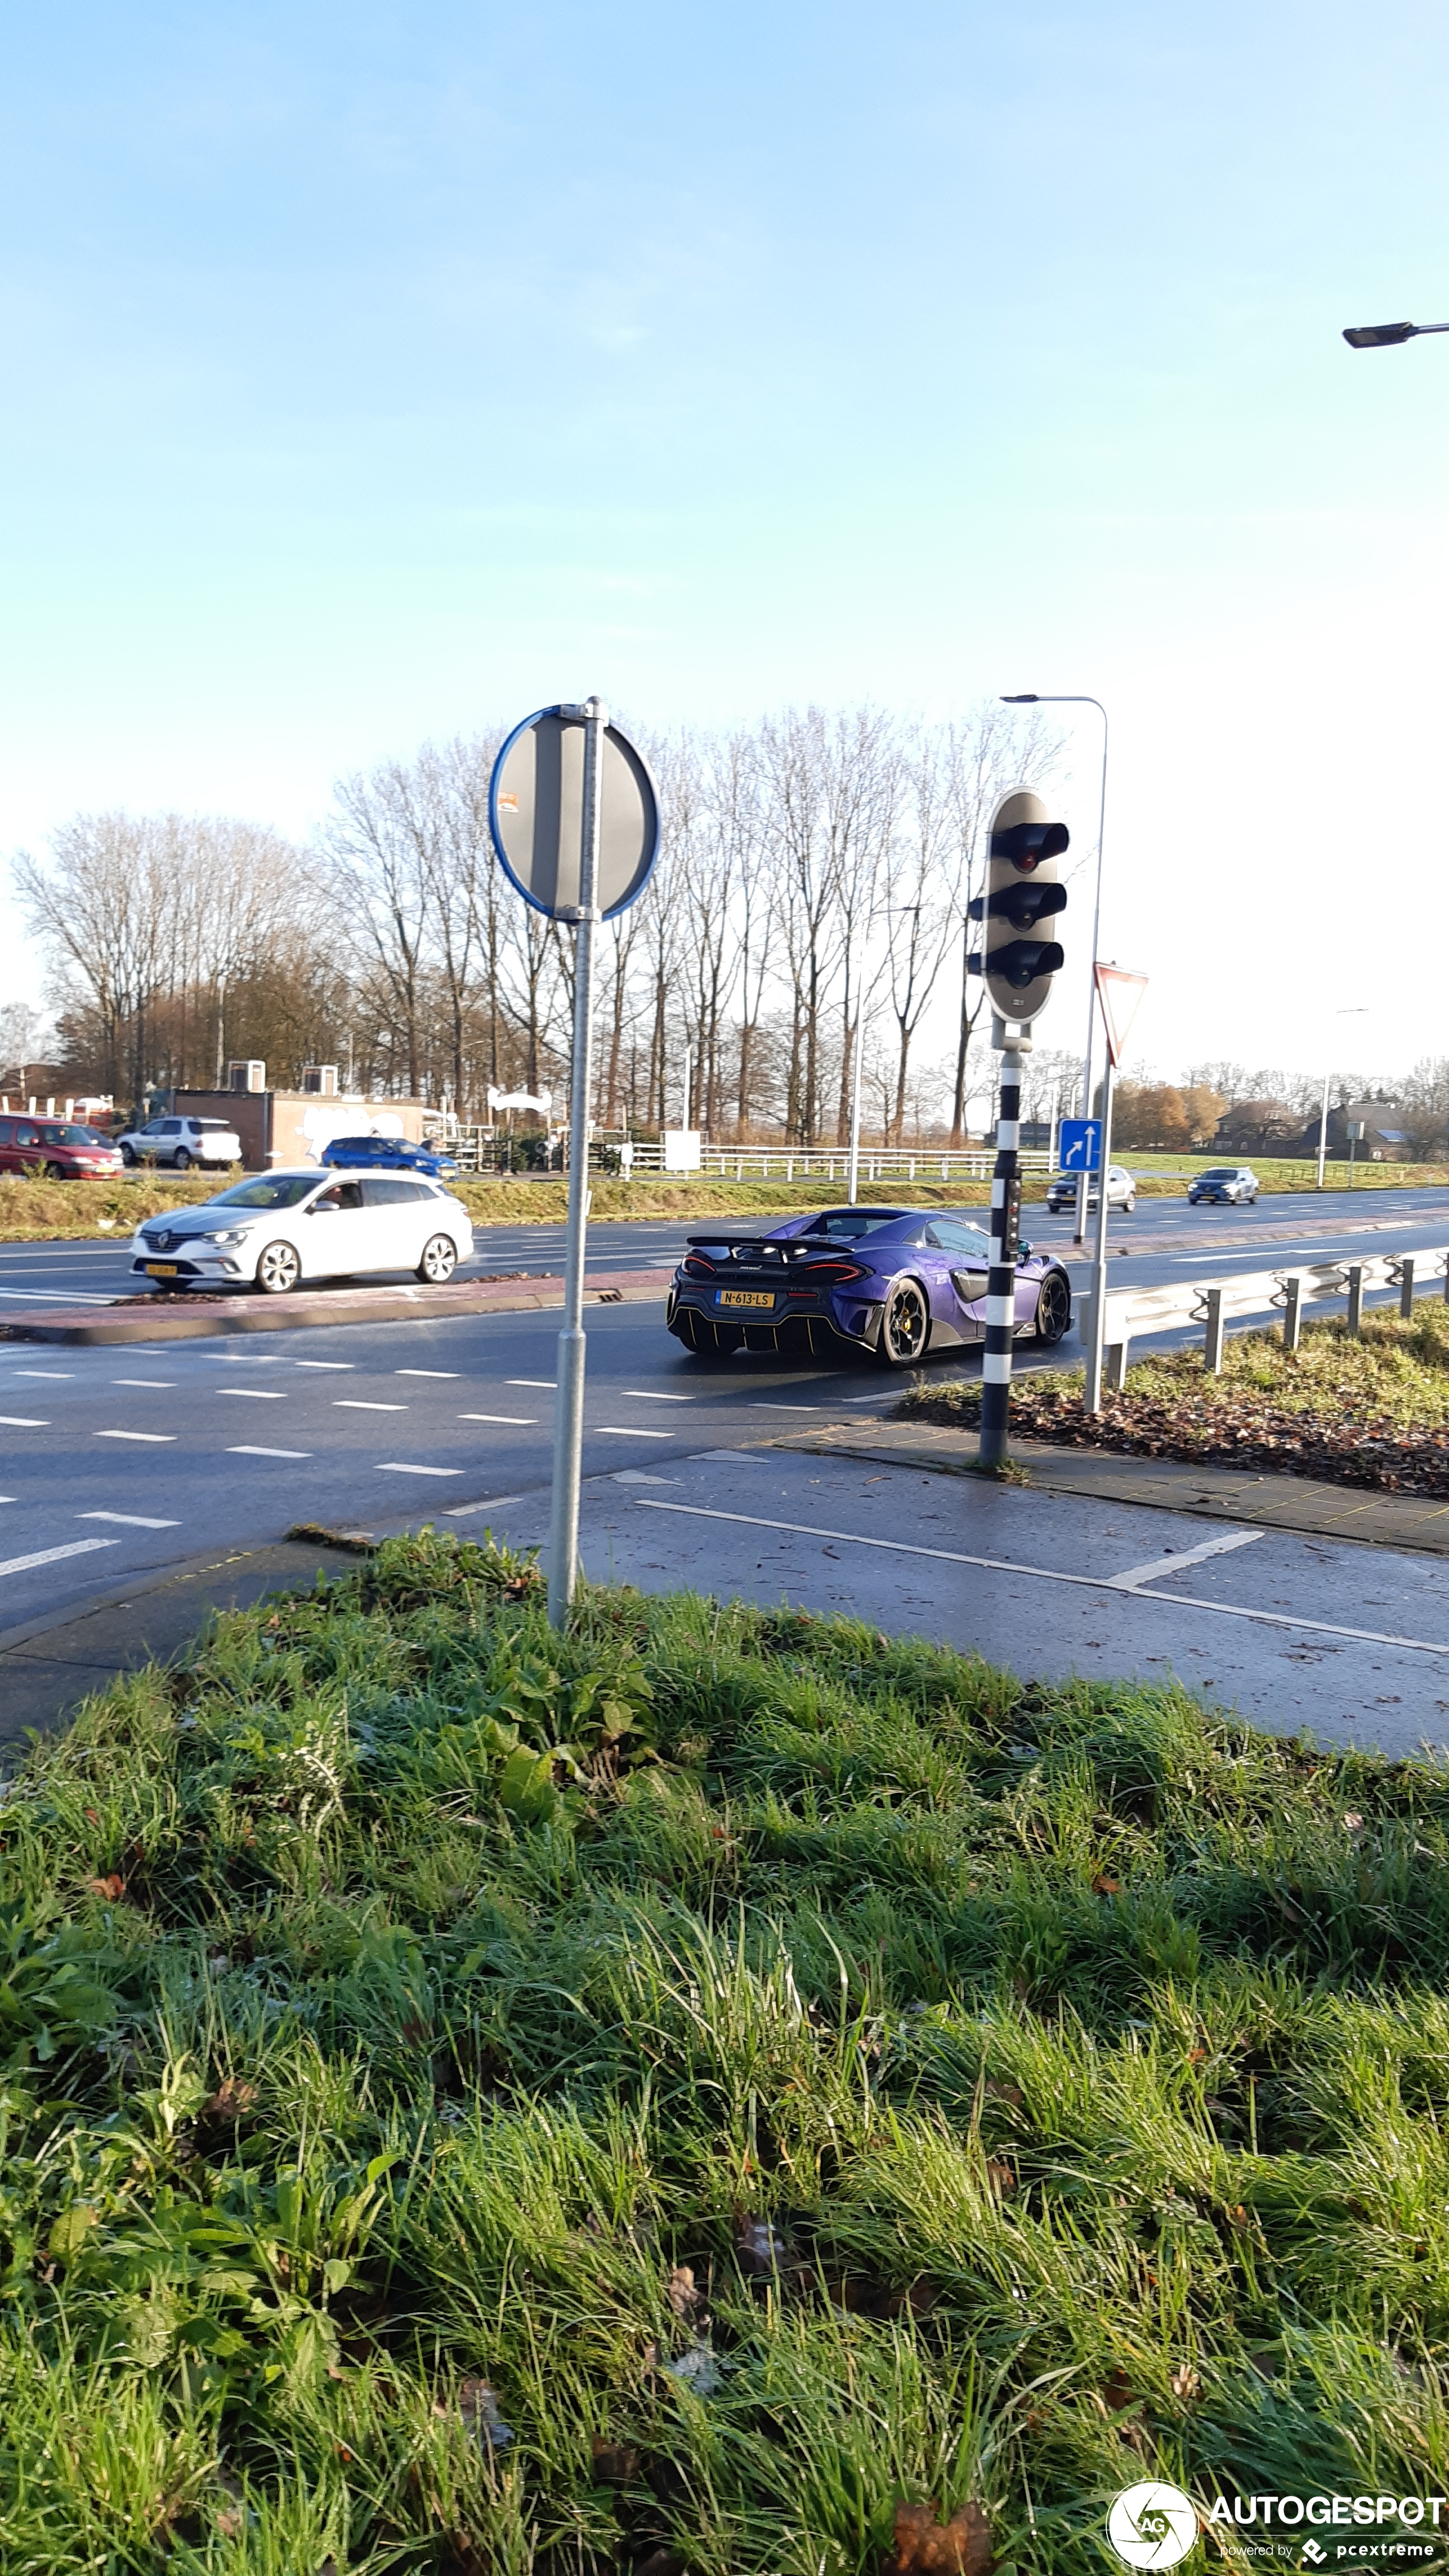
(1022, 891)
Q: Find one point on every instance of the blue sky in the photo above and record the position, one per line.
(379, 372)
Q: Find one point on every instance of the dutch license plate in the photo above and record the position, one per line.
(748, 1297)
(160, 1269)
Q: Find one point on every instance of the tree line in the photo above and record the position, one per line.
(814, 867)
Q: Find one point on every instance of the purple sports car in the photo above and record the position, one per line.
(893, 1283)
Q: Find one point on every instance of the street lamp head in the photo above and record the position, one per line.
(1027, 698)
(1382, 335)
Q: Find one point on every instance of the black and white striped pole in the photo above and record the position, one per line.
(1022, 891)
(1005, 1235)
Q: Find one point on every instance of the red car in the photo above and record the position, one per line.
(57, 1148)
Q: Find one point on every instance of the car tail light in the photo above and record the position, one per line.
(697, 1266)
(835, 1271)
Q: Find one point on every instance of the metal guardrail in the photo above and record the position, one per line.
(1131, 1313)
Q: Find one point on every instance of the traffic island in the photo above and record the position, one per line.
(1366, 1409)
(722, 2082)
(188, 1318)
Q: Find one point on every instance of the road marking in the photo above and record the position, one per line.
(1139, 1574)
(639, 1476)
(1051, 1574)
(327, 1364)
(363, 1404)
(427, 1372)
(550, 1382)
(647, 1395)
(519, 1421)
(22, 1422)
(258, 1394)
(462, 1511)
(65, 1373)
(626, 1431)
(136, 1435)
(750, 1457)
(132, 1520)
(51, 1555)
(143, 1381)
(400, 1467)
(245, 1449)
(772, 1404)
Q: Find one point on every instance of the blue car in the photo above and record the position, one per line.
(890, 1284)
(389, 1154)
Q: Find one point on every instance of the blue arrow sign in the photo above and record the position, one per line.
(1081, 1144)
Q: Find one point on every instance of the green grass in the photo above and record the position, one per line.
(1371, 1410)
(669, 2100)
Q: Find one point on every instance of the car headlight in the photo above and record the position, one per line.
(228, 1234)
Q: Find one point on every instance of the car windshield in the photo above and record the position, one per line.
(1229, 1172)
(269, 1190)
(74, 1136)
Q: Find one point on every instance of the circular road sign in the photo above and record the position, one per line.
(535, 814)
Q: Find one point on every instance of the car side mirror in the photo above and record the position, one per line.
(1023, 1252)
(323, 1207)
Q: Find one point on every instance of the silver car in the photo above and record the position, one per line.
(1121, 1191)
(279, 1228)
(180, 1142)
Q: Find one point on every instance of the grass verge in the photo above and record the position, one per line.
(1369, 1411)
(729, 2093)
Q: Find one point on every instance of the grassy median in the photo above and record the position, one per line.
(733, 2093)
(1371, 1410)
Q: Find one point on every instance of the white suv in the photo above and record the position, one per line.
(279, 1228)
(182, 1142)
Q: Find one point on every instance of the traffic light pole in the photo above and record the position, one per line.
(1005, 1228)
(1099, 1265)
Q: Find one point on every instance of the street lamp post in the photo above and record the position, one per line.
(1355, 1011)
(1033, 698)
(853, 1167)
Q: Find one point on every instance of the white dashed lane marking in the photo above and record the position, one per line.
(246, 1449)
(363, 1404)
(136, 1435)
(326, 1364)
(258, 1394)
(143, 1381)
(52, 1555)
(1160, 1565)
(516, 1421)
(132, 1520)
(400, 1467)
(427, 1372)
(623, 1431)
(67, 1374)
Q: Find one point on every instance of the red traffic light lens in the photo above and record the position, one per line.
(1025, 845)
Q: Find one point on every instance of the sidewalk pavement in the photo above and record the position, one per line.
(1304, 1503)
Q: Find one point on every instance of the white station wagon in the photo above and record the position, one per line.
(279, 1228)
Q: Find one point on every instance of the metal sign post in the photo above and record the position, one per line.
(1118, 995)
(575, 824)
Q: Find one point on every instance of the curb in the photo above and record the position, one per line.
(241, 1314)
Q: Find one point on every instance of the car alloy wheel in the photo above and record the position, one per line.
(128, 1158)
(1053, 1308)
(181, 1160)
(440, 1259)
(905, 1326)
(278, 1269)
(53, 1172)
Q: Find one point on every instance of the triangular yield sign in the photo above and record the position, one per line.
(1119, 995)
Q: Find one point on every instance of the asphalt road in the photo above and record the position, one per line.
(116, 1463)
(1164, 1239)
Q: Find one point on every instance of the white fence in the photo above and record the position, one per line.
(475, 1149)
(1131, 1313)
